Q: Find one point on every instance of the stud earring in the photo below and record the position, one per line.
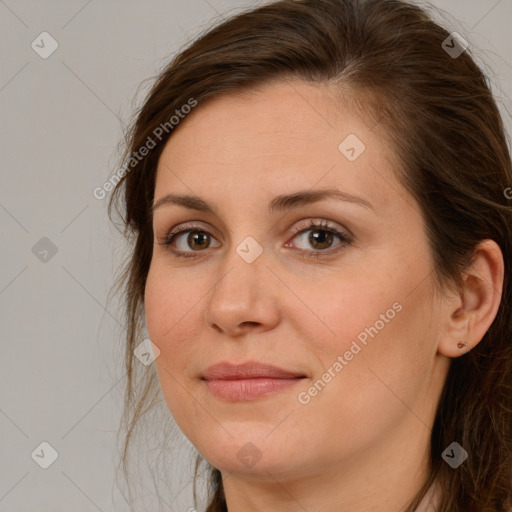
(462, 344)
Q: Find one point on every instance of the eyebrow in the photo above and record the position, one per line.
(280, 203)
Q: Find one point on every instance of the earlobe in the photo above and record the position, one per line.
(477, 304)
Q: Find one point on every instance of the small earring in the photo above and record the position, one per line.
(462, 344)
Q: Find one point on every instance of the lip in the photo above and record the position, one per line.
(248, 370)
(248, 381)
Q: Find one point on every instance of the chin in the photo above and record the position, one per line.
(245, 454)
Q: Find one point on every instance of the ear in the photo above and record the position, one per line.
(470, 313)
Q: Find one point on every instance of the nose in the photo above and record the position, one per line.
(244, 298)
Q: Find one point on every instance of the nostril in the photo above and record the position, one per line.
(250, 323)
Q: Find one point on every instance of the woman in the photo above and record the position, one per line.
(322, 249)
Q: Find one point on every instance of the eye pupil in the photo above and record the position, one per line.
(325, 238)
(194, 236)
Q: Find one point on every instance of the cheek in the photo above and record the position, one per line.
(166, 298)
(169, 306)
(157, 298)
(385, 340)
(378, 328)
(170, 323)
(347, 312)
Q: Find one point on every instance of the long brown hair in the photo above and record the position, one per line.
(438, 116)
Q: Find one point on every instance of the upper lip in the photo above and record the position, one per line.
(248, 370)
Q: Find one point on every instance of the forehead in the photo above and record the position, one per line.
(290, 109)
(279, 137)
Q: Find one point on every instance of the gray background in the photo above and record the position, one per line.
(61, 374)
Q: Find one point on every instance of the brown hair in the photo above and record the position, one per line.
(438, 117)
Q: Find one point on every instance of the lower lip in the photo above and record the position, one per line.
(248, 389)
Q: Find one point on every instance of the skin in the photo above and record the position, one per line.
(237, 152)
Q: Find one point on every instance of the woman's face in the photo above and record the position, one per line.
(355, 315)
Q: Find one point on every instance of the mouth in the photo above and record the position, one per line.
(248, 381)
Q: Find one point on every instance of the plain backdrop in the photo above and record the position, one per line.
(61, 373)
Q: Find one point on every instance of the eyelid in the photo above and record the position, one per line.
(345, 236)
(319, 222)
(192, 225)
(301, 225)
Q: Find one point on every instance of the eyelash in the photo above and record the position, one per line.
(313, 225)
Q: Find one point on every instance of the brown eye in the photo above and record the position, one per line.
(319, 237)
(197, 240)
